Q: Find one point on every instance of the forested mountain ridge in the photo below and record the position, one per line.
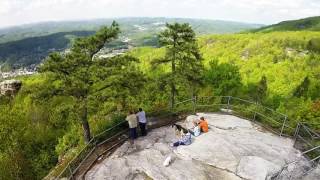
(34, 49)
(306, 24)
(29, 44)
(129, 26)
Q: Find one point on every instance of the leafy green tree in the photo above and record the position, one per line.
(259, 91)
(302, 89)
(314, 45)
(182, 54)
(79, 75)
(262, 89)
(225, 78)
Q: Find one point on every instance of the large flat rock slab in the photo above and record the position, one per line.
(233, 148)
(145, 160)
(313, 175)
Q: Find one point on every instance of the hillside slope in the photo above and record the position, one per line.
(32, 50)
(310, 24)
(286, 53)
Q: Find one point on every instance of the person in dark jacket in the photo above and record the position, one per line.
(141, 115)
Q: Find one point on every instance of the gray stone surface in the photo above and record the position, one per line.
(313, 175)
(233, 148)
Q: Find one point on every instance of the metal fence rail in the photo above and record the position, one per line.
(73, 166)
(267, 117)
(308, 139)
(270, 119)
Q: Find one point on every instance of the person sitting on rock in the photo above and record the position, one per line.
(203, 124)
(196, 129)
(185, 139)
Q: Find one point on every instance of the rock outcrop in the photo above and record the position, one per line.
(10, 87)
(233, 148)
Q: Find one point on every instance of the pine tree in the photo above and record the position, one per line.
(262, 89)
(84, 77)
(182, 54)
(302, 89)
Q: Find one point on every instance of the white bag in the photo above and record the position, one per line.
(167, 161)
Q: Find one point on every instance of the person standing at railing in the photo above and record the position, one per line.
(141, 115)
(133, 123)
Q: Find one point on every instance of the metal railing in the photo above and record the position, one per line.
(308, 140)
(73, 166)
(266, 117)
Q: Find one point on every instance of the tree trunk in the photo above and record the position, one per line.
(173, 68)
(173, 89)
(84, 122)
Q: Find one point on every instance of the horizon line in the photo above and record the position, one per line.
(124, 17)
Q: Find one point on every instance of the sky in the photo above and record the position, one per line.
(17, 12)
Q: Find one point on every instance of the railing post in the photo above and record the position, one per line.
(283, 124)
(297, 131)
(254, 116)
(194, 103)
(71, 177)
(229, 97)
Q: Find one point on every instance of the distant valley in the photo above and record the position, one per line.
(28, 45)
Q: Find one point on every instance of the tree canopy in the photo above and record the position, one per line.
(183, 55)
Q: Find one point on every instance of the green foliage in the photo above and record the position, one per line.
(302, 89)
(83, 78)
(182, 54)
(314, 45)
(70, 140)
(33, 50)
(262, 89)
(282, 57)
(225, 78)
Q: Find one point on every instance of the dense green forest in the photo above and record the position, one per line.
(73, 97)
(33, 50)
(284, 58)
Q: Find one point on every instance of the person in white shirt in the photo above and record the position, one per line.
(132, 120)
(141, 115)
(196, 129)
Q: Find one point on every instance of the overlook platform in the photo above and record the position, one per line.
(234, 148)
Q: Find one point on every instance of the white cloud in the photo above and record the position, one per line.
(14, 12)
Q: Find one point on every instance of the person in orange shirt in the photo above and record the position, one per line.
(203, 125)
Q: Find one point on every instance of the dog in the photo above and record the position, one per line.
(178, 129)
